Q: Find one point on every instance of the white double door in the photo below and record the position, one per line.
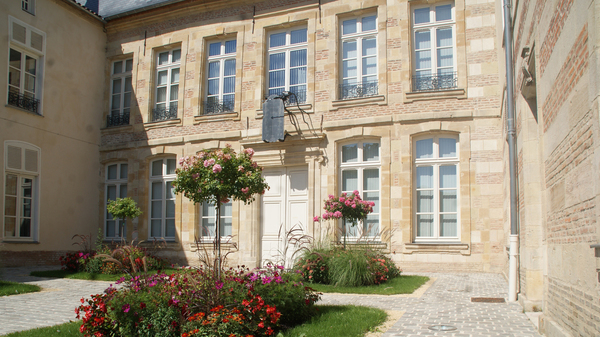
(284, 209)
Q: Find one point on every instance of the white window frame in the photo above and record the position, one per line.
(211, 235)
(287, 49)
(123, 105)
(28, 6)
(30, 42)
(25, 165)
(164, 179)
(432, 26)
(119, 183)
(360, 87)
(223, 103)
(360, 166)
(435, 161)
(171, 66)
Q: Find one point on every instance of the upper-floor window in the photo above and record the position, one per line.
(21, 191)
(359, 57)
(436, 189)
(360, 171)
(162, 198)
(287, 63)
(220, 86)
(121, 91)
(25, 66)
(115, 187)
(167, 85)
(434, 38)
(28, 6)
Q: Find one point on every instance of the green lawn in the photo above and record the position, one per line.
(331, 321)
(88, 276)
(403, 284)
(13, 288)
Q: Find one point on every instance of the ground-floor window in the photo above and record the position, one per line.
(209, 216)
(162, 199)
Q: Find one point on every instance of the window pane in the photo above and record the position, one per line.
(157, 190)
(26, 208)
(30, 65)
(170, 230)
(123, 191)
(448, 201)
(128, 65)
(169, 193)
(128, 87)
(162, 77)
(445, 58)
(277, 61)
(116, 86)
(110, 228)
(118, 67)
(228, 85)
(226, 209)
(423, 59)
(208, 210)
(371, 180)
(112, 172)
(225, 226)
(230, 46)
(448, 225)
(11, 184)
(171, 165)
(369, 66)
(369, 47)
(425, 177)
(350, 68)
(298, 76)
(214, 49)
(374, 197)
(371, 152)
(369, 23)
(163, 58)
(155, 228)
(175, 75)
(156, 212)
(444, 37)
(349, 27)
(298, 58)
(213, 86)
(111, 192)
(208, 227)
(213, 69)
(448, 176)
(424, 148)
(14, 77)
(276, 79)
(349, 49)
(422, 39)
(116, 102)
(26, 187)
(123, 171)
(170, 212)
(421, 15)
(443, 13)
(425, 201)
(371, 225)
(276, 40)
(350, 153)
(25, 229)
(10, 227)
(425, 225)
(29, 83)
(176, 56)
(298, 36)
(447, 147)
(229, 68)
(10, 206)
(349, 180)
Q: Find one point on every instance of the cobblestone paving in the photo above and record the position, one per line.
(55, 304)
(447, 301)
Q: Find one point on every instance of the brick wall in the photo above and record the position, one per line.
(573, 308)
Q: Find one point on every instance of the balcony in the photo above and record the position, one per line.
(214, 106)
(117, 119)
(23, 102)
(439, 82)
(359, 90)
(298, 95)
(164, 114)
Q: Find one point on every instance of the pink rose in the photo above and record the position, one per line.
(217, 168)
(337, 214)
(316, 219)
(240, 168)
(249, 151)
(245, 190)
(206, 164)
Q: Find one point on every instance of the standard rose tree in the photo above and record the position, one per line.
(215, 176)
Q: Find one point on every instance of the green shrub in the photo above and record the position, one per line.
(350, 268)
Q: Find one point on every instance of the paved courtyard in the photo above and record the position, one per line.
(445, 300)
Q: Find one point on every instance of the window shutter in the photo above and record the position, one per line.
(19, 33)
(13, 158)
(37, 41)
(31, 160)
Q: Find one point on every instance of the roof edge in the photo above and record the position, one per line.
(84, 9)
(142, 9)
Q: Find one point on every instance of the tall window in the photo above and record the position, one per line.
(167, 85)
(25, 62)
(116, 187)
(121, 90)
(21, 191)
(436, 189)
(434, 47)
(220, 88)
(162, 199)
(209, 216)
(28, 6)
(287, 64)
(360, 167)
(359, 57)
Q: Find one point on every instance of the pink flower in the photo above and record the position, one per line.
(316, 218)
(353, 206)
(240, 168)
(337, 214)
(342, 199)
(325, 216)
(217, 168)
(249, 151)
(206, 164)
(126, 308)
(245, 190)
(355, 192)
(211, 161)
(347, 202)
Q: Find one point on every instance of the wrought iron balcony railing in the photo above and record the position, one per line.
(24, 102)
(215, 107)
(164, 114)
(359, 90)
(298, 96)
(117, 119)
(435, 82)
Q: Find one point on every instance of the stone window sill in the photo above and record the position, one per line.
(352, 102)
(293, 108)
(457, 248)
(429, 95)
(162, 124)
(226, 245)
(215, 117)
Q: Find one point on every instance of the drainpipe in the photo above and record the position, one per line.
(512, 154)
